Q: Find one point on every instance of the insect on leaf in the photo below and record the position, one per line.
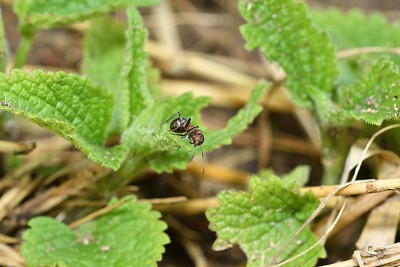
(178, 158)
(153, 142)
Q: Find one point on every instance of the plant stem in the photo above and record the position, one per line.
(129, 170)
(23, 50)
(4, 51)
(333, 154)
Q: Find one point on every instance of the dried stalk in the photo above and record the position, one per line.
(7, 147)
(323, 203)
(366, 50)
(373, 257)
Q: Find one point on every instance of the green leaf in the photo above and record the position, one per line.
(284, 33)
(238, 123)
(40, 14)
(344, 30)
(65, 103)
(151, 141)
(130, 235)
(178, 159)
(103, 61)
(299, 175)
(104, 53)
(263, 219)
(134, 93)
(122, 66)
(3, 47)
(375, 98)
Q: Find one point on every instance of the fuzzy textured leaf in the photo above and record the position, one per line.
(134, 94)
(119, 62)
(103, 62)
(212, 139)
(284, 33)
(375, 98)
(68, 105)
(130, 235)
(344, 30)
(300, 175)
(44, 14)
(263, 219)
(104, 53)
(153, 142)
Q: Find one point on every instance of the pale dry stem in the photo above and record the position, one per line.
(323, 204)
(366, 50)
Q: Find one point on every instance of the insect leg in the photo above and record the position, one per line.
(191, 130)
(170, 118)
(179, 134)
(188, 122)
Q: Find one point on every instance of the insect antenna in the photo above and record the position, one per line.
(202, 159)
(194, 153)
(203, 163)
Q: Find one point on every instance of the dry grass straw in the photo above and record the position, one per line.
(339, 211)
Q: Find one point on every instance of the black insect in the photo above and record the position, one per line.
(6, 104)
(182, 126)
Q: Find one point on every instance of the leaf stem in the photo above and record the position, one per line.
(23, 50)
(333, 151)
(129, 170)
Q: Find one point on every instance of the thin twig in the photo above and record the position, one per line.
(199, 205)
(323, 204)
(366, 50)
(373, 257)
(7, 147)
(10, 257)
(237, 97)
(190, 207)
(58, 145)
(166, 200)
(359, 188)
(97, 214)
(195, 252)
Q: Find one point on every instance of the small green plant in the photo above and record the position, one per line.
(119, 96)
(130, 235)
(284, 33)
(263, 219)
(338, 93)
